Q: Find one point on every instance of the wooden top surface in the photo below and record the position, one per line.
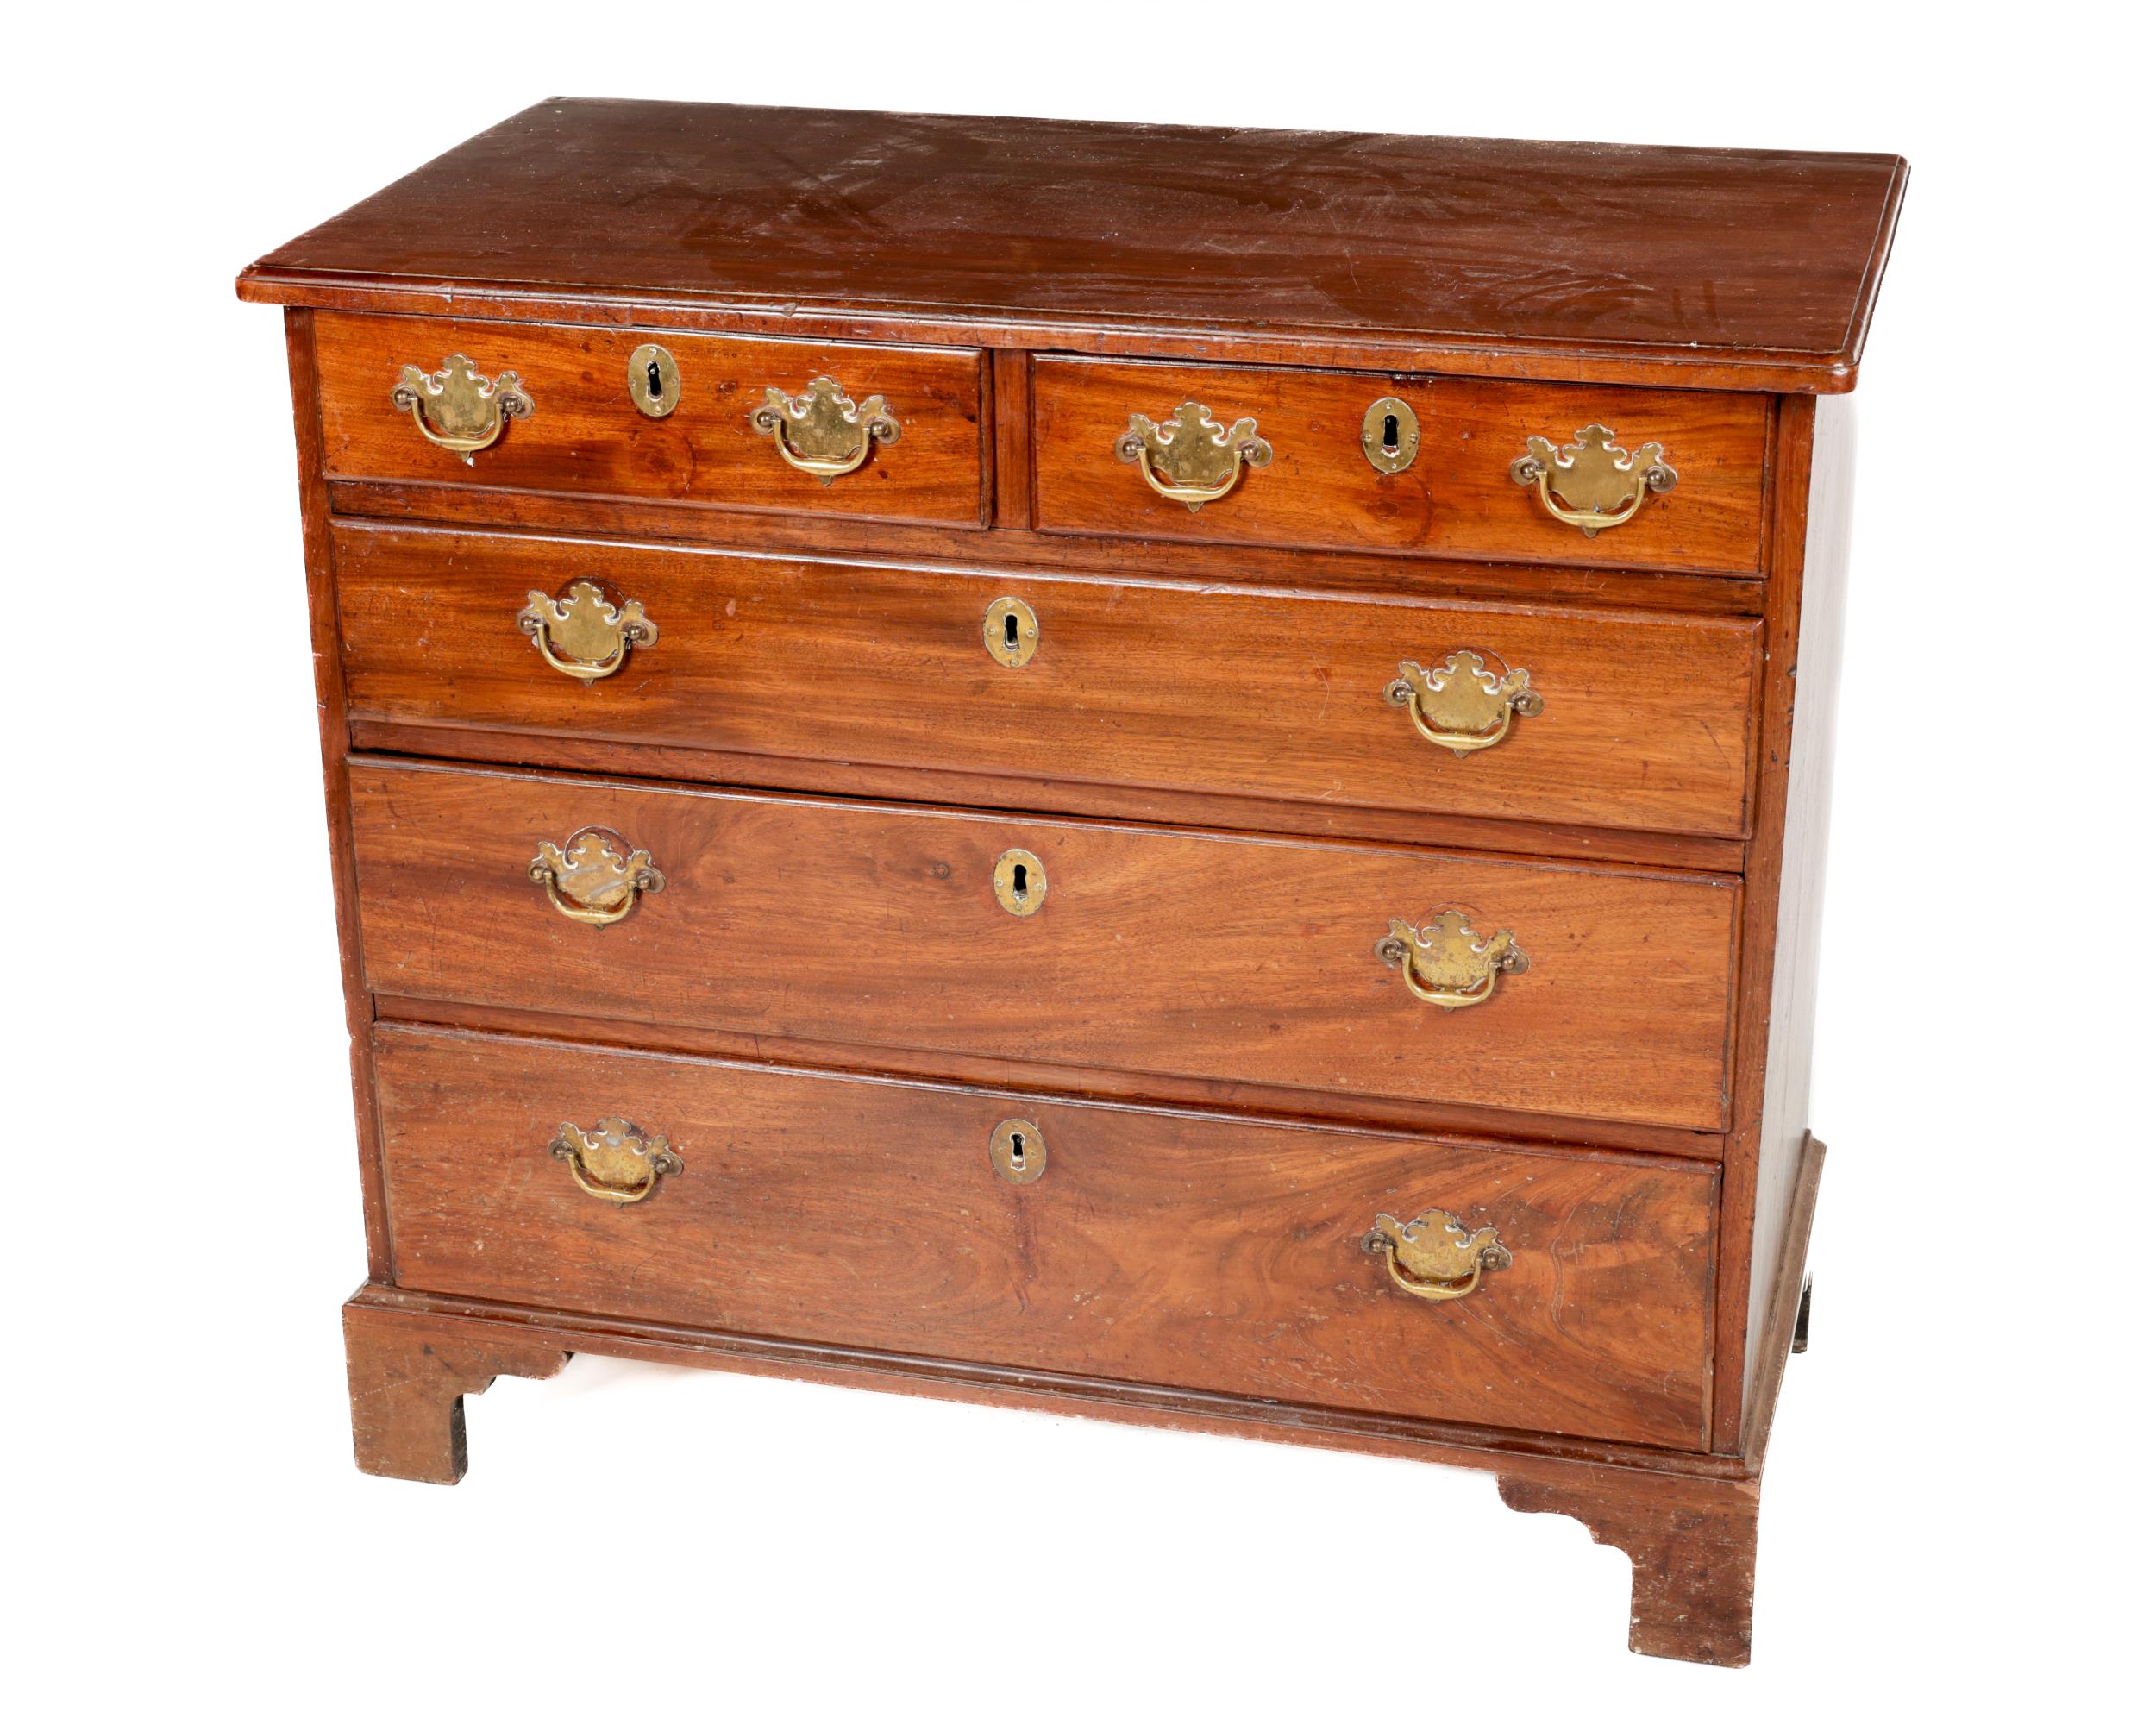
(1719, 268)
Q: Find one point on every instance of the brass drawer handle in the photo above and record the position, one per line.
(1463, 705)
(823, 433)
(614, 1161)
(1434, 1257)
(590, 882)
(1603, 486)
(592, 636)
(1200, 458)
(1445, 964)
(457, 408)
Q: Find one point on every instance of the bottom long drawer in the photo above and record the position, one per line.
(1192, 1251)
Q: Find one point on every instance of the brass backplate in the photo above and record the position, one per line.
(1193, 459)
(1011, 632)
(459, 408)
(589, 880)
(1433, 1257)
(1464, 705)
(823, 433)
(1446, 962)
(655, 381)
(1017, 1151)
(615, 1161)
(585, 635)
(1021, 882)
(1391, 434)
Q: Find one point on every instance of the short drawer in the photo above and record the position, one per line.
(1637, 720)
(1258, 961)
(909, 418)
(1458, 496)
(1183, 1250)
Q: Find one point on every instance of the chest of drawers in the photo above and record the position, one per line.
(1170, 774)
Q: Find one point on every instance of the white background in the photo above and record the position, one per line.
(1953, 1511)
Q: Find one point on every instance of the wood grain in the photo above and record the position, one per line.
(332, 722)
(1264, 1102)
(1537, 1455)
(1176, 1249)
(826, 1009)
(409, 1376)
(1788, 1296)
(858, 778)
(650, 520)
(1693, 1543)
(1011, 400)
(1746, 268)
(1807, 693)
(1192, 954)
(585, 437)
(1751, 1003)
(1151, 686)
(1777, 979)
(1458, 498)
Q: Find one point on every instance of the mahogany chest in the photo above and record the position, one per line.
(1170, 774)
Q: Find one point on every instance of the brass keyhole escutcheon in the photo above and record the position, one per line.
(1011, 632)
(1021, 882)
(1391, 434)
(1019, 1152)
(655, 381)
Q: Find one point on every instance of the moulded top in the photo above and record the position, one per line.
(1602, 262)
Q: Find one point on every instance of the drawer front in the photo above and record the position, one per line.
(1458, 497)
(1195, 955)
(1640, 722)
(1183, 1250)
(585, 433)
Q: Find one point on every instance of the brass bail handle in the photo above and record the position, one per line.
(1463, 705)
(614, 1161)
(1602, 486)
(1193, 459)
(823, 433)
(1434, 1257)
(590, 882)
(459, 408)
(1446, 964)
(585, 636)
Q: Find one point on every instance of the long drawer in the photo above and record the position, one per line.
(583, 430)
(1176, 1249)
(1460, 495)
(1637, 720)
(1367, 969)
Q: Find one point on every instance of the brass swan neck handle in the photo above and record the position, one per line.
(1193, 459)
(614, 1161)
(1434, 1257)
(459, 408)
(589, 880)
(823, 433)
(586, 635)
(1445, 963)
(1463, 705)
(1596, 485)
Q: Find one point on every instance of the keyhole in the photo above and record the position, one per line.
(1017, 1153)
(1021, 886)
(1392, 434)
(654, 388)
(1010, 629)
